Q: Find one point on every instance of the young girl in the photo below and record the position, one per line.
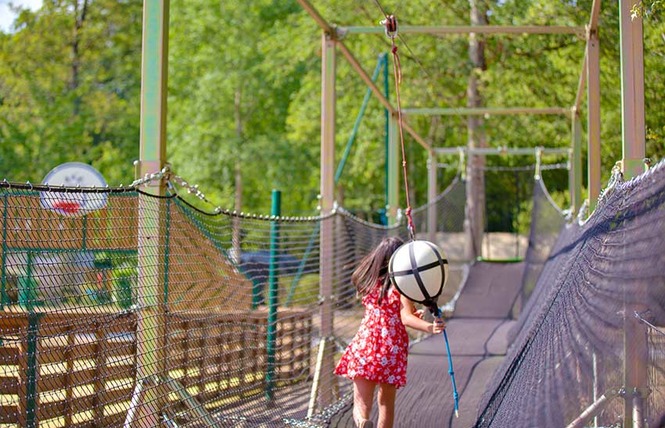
(377, 354)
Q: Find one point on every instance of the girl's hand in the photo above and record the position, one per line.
(438, 325)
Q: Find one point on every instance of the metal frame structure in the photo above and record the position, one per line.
(633, 135)
(153, 158)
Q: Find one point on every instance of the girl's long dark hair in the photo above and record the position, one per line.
(373, 268)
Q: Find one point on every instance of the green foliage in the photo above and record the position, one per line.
(305, 292)
(244, 92)
(642, 8)
(69, 86)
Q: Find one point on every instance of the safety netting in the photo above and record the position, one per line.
(547, 220)
(445, 212)
(122, 308)
(590, 349)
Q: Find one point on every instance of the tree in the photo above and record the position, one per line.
(69, 86)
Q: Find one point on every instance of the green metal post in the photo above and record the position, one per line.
(29, 294)
(386, 93)
(85, 232)
(273, 283)
(392, 162)
(32, 369)
(167, 253)
(4, 298)
(32, 337)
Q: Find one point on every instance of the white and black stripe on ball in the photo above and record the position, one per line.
(419, 270)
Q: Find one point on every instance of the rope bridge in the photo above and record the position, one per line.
(241, 344)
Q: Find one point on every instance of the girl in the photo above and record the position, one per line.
(377, 354)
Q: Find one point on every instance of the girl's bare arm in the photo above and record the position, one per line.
(413, 319)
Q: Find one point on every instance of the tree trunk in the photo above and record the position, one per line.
(76, 55)
(475, 185)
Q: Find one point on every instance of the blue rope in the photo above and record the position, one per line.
(452, 374)
(437, 313)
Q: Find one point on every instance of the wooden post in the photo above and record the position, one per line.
(100, 375)
(69, 409)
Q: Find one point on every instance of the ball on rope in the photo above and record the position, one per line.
(419, 270)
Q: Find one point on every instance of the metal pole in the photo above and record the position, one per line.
(466, 29)
(484, 111)
(32, 375)
(594, 366)
(633, 130)
(273, 284)
(431, 196)
(386, 92)
(593, 118)
(328, 102)
(151, 318)
(393, 171)
(4, 298)
(590, 412)
(580, 86)
(528, 151)
(575, 172)
(632, 90)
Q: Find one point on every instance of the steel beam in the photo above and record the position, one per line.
(151, 318)
(575, 172)
(328, 103)
(482, 111)
(501, 150)
(593, 119)
(632, 90)
(467, 29)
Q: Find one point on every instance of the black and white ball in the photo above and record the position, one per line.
(419, 270)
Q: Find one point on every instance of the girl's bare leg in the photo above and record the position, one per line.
(386, 400)
(363, 396)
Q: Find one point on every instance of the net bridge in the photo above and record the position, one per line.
(218, 320)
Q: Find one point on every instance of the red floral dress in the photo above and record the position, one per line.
(379, 350)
